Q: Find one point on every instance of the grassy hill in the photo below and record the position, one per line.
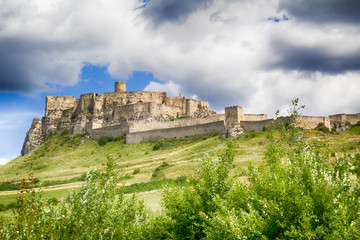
(62, 161)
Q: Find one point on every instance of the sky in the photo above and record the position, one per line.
(259, 54)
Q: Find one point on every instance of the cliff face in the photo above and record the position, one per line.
(34, 137)
(92, 111)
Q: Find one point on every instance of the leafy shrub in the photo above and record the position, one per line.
(2, 207)
(103, 140)
(136, 171)
(321, 127)
(159, 145)
(97, 211)
(158, 174)
(189, 207)
(295, 194)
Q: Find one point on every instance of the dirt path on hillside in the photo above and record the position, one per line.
(78, 185)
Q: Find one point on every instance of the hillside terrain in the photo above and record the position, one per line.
(61, 162)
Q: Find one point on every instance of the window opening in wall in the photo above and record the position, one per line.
(130, 94)
(158, 95)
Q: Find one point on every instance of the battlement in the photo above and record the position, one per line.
(233, 107)
(146, 115)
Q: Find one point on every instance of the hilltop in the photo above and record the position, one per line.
(65, 158)
(150, 116)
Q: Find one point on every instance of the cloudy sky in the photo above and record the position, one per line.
(259, 54)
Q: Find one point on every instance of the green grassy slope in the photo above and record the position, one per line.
(64, 159)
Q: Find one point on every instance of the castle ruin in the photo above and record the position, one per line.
(145, 115)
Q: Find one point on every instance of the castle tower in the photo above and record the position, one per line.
(120, 86)
(233, 116)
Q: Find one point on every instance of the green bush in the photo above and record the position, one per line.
(321, 127)
(103, 140)
(158, 174)
(159, 145)
(97, 211)
(136, 171)
(189, 208)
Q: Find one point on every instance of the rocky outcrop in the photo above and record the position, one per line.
(234, 131)
(93, 111)
(33, 137)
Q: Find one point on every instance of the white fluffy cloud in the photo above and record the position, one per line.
(258, 54)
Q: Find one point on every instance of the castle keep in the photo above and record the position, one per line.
(144, 116)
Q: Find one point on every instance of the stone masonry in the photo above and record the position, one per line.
(143, 116)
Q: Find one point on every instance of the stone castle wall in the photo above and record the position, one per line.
(343, 118)
(256, 126)
(144, 125)
(311, 122)
(255, 117)
(110, 131)
(178, 132)
(145, 115)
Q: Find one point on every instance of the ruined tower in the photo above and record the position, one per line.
(233, 115)
(120, 86)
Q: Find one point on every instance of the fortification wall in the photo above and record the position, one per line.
(256, 126)
(175, 132)
(342, 118)
(59, 103)
(110, 131)
(311, 122)
(144, 125)
(193, 105)
(255, 117)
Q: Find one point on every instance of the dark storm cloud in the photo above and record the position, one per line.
(302, 58)
(27, 66)
(14, 75)
(321, 11)
(161, 11)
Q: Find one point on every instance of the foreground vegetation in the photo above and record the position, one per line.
(299, 191)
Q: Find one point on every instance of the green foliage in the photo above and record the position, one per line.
(103, 140)
(136, 171)
(354, 130)
(321, 127)
(158, 171)
(8, 186)
(295, 194)
(189, 207)
(157, 184)
(97, 211)
(159, 145)
(174, 119)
